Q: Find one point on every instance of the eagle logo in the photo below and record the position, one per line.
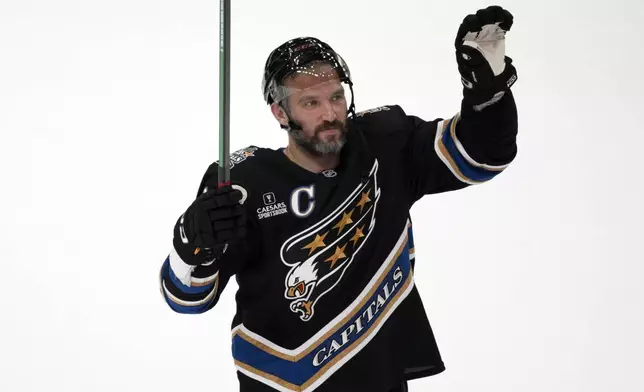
(319, 256)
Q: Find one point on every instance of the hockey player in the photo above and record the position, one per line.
(318, 234)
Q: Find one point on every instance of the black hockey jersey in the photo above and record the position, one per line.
(327, 299)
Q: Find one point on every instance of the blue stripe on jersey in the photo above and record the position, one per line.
(471, 172)
(410, 237)
(177, 307)
(288, 371)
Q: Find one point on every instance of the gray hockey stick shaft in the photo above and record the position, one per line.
(224, 92)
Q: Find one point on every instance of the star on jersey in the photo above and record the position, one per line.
(319, 256)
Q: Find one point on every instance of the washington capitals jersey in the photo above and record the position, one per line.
(327, 299)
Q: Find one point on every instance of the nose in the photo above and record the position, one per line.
(328, 113)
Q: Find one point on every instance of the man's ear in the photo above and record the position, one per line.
(280, 114)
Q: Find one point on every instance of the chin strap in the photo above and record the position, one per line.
(352, 107)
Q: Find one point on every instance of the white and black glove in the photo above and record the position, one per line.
(215, 219)
(486, 72)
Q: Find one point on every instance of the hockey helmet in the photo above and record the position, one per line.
(298, 55)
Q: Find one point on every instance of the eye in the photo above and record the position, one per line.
(310, 103)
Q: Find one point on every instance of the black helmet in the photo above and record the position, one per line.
(294, 56)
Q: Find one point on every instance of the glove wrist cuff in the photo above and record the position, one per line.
(480, 94)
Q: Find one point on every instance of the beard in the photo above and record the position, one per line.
(315, 145)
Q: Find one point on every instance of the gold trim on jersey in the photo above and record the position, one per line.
(320, 341)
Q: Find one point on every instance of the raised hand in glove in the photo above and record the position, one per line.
(206, 229)
(486, 72)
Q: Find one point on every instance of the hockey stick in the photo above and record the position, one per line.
(224, 93)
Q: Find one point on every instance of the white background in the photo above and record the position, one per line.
(109, 116)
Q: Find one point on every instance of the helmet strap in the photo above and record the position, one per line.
(292, 125)
(352, 106)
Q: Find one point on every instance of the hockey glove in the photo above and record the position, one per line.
(215, 219)
(486, 72)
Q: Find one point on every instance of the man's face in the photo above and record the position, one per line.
(318, 104)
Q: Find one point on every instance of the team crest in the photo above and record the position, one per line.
(319, 256)
(237, 157)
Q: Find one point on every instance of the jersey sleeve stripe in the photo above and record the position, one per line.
(461, 150)
(184, 299)
(199, 287)
(201, 282)
(449, 153)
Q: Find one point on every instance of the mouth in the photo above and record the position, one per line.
(332, 131)
(297, 291)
